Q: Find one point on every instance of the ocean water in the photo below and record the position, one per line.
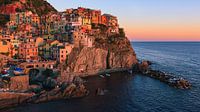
(137, 93)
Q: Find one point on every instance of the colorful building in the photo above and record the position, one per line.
(5, 47)
(82, 39)
(96, 16)
(61, 52)
(45, 49)
(28, 50)
(35, 19)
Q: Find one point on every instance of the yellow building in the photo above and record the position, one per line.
(86, 20)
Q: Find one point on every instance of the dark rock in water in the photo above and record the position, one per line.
(141, 67)
(144, 66)
(135, 68)
(149, 62)
(169, 79)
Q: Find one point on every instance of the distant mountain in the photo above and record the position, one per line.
(41, 7)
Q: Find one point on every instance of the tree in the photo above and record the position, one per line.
(121, 32)
(67, 59)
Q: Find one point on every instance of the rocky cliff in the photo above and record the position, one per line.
(107, 53)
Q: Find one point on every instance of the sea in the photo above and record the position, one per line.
(138, 93)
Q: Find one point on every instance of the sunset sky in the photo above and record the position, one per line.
(148, 20)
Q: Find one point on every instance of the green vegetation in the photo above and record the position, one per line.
(40, 7)
(121, 32)
(4, 19)
(50, 73)
(5, 2)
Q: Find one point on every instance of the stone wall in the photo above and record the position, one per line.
(19, 82)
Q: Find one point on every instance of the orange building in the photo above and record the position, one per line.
(5, 47)
(96, 16)
(64, 52)
(35, 19)
(28, 50)
(104, 20)
(61, 51)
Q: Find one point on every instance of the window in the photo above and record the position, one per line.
(4, 43)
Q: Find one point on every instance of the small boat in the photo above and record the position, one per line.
(5, 75)
(130, 71)
(18, 71)
(108, 75)
(101, 76)
(3, 72)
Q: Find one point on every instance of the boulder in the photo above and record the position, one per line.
(144, 66)
(135, 68)
(183, 84)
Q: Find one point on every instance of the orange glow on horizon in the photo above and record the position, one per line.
(164, 33)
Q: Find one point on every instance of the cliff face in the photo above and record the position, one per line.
(107, 53)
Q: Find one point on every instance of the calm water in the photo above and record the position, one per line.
(127, 93)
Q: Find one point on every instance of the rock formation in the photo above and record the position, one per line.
(106, 53)
(20, 91)
(170, 79)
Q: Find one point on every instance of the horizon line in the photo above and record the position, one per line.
(165, 41)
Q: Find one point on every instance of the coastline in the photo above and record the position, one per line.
(102, 72)
(13, 99)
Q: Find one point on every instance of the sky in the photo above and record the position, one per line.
(148, 20)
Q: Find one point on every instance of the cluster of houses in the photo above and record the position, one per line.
(32, 38)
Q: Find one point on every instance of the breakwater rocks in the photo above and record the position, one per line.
(170, 79)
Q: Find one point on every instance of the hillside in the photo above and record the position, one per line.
(41, 7)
